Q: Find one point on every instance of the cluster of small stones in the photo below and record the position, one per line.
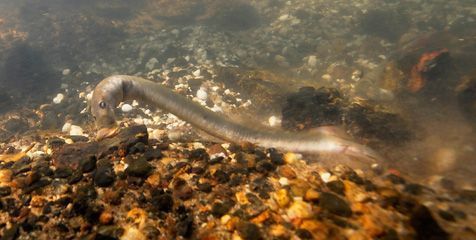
(153, 190)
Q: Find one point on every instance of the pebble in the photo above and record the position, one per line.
(138, 167)
(334, 204)
(311, 195)
(274, 121)
(5, 191)
(279, 231)
(66, 71)
(151, 63)
(219, 209)
(132, 233)
(202, 94)
(283, 181)
(63, 172)
(175, 31)
(104, 176)
(356, 75)
(325, 176)
(75, 130)
(5, 176)
(248, 231)
(126, 107)
(106, 217)
(304, 234)
(287, 172)
(174, 135)
(182, 189)
(204, 187)
(326, 77)
(299, 187)
(282, 197)
(196, 73)
(58, 99)
(290, 157)
(281, 61)
(336, 186)
(312, 61)
(162, 200)
(283, 17)
(299, 210)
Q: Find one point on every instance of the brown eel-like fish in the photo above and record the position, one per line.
(115, 89)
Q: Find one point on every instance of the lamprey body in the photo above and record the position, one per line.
(115, 89)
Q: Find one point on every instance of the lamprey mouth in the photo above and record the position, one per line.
(106, 133)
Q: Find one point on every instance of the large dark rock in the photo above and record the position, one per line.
(426, 226)
(82, 156)
(334, 204)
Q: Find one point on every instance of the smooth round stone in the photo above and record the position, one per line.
(66, 127)
(75, 130)
(196, 73)
(202, 94)
(274, 121)
(66, 71)
(126, 108)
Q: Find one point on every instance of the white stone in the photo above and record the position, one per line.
(135, 103)
(139, 121)
(175, 32)
(216, 108)
(283, 17)
(151, 63)
(202, 94)
(325, 176)
(312, 61)
(196, 73)
(36, 154)
(170, 60)
(156, 134)
(174, 135)
(274, 121)
(126, 108)
(326, 77)
(66, 127)
(66, 71)
(58, 99)
(283, 181)
(75, 130)
(89, 96)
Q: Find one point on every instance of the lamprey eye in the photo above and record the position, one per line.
(102, 104)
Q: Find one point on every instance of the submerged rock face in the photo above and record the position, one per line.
(311, 108)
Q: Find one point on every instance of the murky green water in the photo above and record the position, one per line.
(403, 71)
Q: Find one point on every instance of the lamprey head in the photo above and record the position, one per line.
(103, 103)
